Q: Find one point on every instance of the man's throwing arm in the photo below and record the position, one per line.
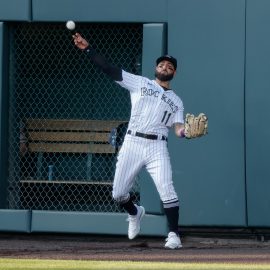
(114, 72)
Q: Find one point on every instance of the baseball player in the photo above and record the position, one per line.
(155, 109)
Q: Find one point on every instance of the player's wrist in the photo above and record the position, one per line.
(89, 51)
(182, 133)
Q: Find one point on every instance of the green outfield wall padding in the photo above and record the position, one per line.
(3, 112)
(2, 177)
(208, 39)
(222, 47)
(257, 108)
(15, 220)
(97, 223)
(100, 11)
(15, 10)
(154, 45)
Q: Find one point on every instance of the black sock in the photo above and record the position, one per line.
(129, 207)
(172, 215)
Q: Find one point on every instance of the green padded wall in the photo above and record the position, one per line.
(257, 108)
(100, 11)
(3, 113)
(99, 223)
(152, 34)
(15, 10)
(208, 38)
(223, 52)
(15, 220)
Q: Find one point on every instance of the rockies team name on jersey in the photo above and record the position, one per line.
(150, 92)
(170, 103)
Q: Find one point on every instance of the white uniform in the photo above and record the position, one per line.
(153, 111)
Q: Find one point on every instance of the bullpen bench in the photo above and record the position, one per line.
(69, 136)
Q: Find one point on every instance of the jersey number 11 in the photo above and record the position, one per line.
(166, 119)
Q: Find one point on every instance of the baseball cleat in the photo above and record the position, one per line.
(173, 241)
(134, 226)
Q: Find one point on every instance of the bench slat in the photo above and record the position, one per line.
(66, 125)
(68, 136)
(109, 183)
(71, 148)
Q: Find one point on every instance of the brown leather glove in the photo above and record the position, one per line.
(196, 126)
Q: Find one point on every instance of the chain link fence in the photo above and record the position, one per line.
(61, 111)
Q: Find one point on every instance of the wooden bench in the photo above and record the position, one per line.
(69, 136)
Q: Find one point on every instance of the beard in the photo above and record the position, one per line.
(164, 77)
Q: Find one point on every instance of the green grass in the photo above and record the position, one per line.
(25, 264)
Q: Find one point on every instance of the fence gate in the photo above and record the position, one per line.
(61, 111)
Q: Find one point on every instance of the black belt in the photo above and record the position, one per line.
(148, 136)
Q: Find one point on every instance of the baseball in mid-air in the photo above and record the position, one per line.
(70, 25)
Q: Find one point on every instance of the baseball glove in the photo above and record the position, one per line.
(195, 126)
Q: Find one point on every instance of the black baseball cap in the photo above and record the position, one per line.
(168, 58)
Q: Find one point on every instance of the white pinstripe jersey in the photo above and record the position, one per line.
(154, 110)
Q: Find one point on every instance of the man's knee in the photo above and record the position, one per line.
(172, 202)
(120, 197)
